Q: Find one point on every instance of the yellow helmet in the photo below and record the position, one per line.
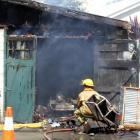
(88, 82)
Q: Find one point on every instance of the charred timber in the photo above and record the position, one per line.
(70, 13)
(118, 64)
(28, 3)
(121, 41)
(22, 37)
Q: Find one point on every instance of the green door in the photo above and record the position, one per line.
(20, 77)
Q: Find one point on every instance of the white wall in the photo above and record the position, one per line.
(2, 45)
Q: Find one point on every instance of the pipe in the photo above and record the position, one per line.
(130, 127)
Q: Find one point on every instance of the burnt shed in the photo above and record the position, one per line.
(68, 47)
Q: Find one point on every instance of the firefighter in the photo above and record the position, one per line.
(87, 93)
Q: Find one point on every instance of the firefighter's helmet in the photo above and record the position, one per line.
(88, 82)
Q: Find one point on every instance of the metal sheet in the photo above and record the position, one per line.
(131, 106)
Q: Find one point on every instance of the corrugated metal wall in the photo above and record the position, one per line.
(131, 106)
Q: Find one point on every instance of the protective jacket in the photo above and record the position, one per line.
(84, 96)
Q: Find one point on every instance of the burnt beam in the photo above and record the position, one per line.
(118, 64)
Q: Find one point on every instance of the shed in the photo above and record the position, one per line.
(51, 49)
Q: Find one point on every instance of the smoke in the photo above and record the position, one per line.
(80, 5)
(66, 54)
(98, 7)
(64, 58)
(62, 64)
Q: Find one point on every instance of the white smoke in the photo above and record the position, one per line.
(98, 7)
(41, 1)
(89, 6)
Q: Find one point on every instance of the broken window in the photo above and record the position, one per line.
(20, 48)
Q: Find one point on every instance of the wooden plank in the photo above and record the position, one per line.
(110, 75)
(106, 79)
(106, 89)
(134, 127)
(116, 63)
(112, 47)
(118, 41)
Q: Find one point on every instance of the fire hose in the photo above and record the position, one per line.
(27, 125)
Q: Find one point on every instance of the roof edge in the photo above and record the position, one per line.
(71, 13)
